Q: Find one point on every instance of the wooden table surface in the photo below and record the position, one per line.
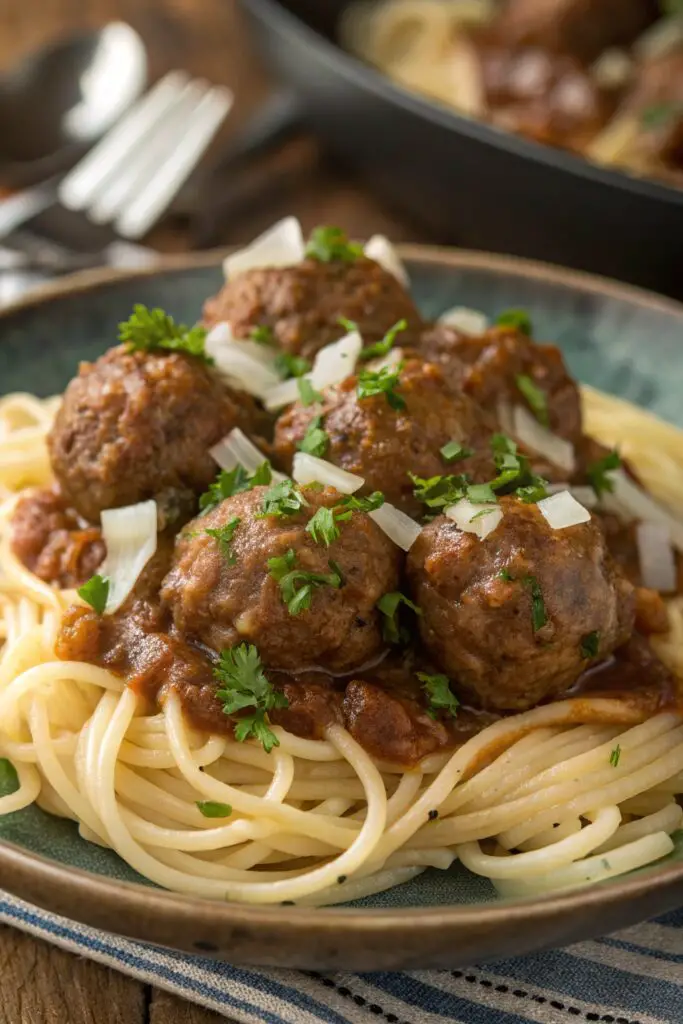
(40, 984)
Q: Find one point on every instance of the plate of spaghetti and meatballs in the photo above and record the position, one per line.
(340, 624)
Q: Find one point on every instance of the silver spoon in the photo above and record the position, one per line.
(58, 101)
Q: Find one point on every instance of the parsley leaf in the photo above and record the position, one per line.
(323, 527)
(148, 329)
(9, 780)
(439, 491)
(382, 382)
(659, 115)
(439, 693)
(224, 535)
(539, 616)
(283, 499)
(214, 809)
(389, 605)
(296, 585)
(454, 452)
(597, 473)
(535, 396)
(590, 644)
(288, 365)
(506, 575)
(381, 348)
(352, 503)
(517, 318)
(315, 440)
(262, 335)
(234, 481)
(514, 471)
(328, 243)
(95, 593)
(349, 325)
(244, 685)
(535, 491)
(480, 494)
(307, 392)
(615, 756)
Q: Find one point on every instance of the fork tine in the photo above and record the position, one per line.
(158, 192)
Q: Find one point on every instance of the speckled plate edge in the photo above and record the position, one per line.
(339, 938)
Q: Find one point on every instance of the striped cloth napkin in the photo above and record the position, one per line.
(633, 977)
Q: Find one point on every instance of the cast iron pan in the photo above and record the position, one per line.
(467, 183)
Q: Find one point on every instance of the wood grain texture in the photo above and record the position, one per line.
(167, 1009)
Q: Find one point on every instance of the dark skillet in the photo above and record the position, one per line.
(468, 183)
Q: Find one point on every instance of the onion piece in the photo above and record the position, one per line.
(504, 413)
(637, 503)
(309, 469)
(535, 436)
(240, 365)
(380, 249)
(280, 246)
(656, 557)
(337, 361)
(237, 450)
(398, 527)
(392, 359)
(613, 69)
(562, 510)
(481, 520)
(130, 536)
(222, 334)
(284, 393)
(469, 321)
(583, 493)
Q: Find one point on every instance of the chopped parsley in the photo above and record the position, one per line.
(95, 593)
(506, 575)
(480, 494)
(615, 756)
(234, 481)
(315, 440)
(148, 329)
(323, 527)
(9, 780)
(597, 473)
(439, 492)
(349, 325)
(535, 396)
(262, 335)
(539, 616)
(288, 365)
(659, 115)
(389, 605)
(244, 686)
(352, 503)
(517, 318)
(439, 694)
(224, 535)
(214, 809)
(454, 452)
(381, 348)
(328, 243)
(382, 382)
(307, 392)
(533, 492)
(514, 471)
(283, 499)
(296, 585)
(590, 644)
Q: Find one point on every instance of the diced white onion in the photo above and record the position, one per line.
(284, 393)
(308, 469)
(337, 361)
(280, 246)
(481, 520)
(582, 492)
(657, 561)
(535, 436)
(613, 68)
(633, 500)
(130, 536)
(469, 321)
(380, 249)
(398, 527)
(563, 510)
(222, 334)
(504, 412)
(242, 363)
(237, 450)
(393, 357)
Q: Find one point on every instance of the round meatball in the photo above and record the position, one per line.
(488, 368)
(138, 425)
(515, 618)
(221, 597)
(371, 438)
(302, 305)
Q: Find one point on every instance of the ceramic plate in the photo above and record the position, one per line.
(616, 338)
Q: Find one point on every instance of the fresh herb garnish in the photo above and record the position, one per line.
(615, 756)
(214, 809)
(514, 471)
(148, 329)
(590, 644)
(315, 440)
(455, 452)
(659, 115)
(283, 499)
(95, 593)
(480, 515)
(597, 473)
(533, 492)
(349, 325)
(480, 494)
(506, 575)
(438, 492)
(9, 780)
(328, 243)
(352, 503)
(234, 481)
(323, 527)
(381, 348)
(439, 693)
(262, 335)
(535, 396)
(288, 365)
(517, 318)
(296, 585)
(539, 616)
(224, 535)
(382, 382)
(389, 605)
(307, 392)
(244, 685)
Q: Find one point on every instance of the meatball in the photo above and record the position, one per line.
(221, 599)
(509, 618)
(53, 542)
(371, 438)
(302, 305)
(138, 425)
(488, 368)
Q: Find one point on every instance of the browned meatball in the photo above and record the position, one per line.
(53, 541)
(488, 369)
(509, 617)
(222, 600)
(303, 304)
(138, 425)
(369, 437)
